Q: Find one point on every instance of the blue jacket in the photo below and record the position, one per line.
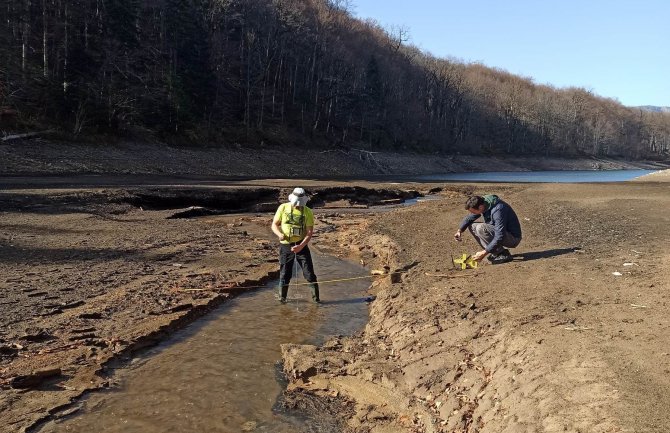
(501, 216)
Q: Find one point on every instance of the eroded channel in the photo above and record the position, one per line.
(221, 374)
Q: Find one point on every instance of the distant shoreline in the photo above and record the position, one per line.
(42, 158)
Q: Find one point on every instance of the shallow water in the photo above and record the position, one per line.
(221, 374)
(576, 176)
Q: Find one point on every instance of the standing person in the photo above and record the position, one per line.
(293, 224)
(500, 229)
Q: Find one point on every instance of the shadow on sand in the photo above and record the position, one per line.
(535, 255)
(349, 301)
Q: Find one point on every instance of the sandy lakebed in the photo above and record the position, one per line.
(573, 335)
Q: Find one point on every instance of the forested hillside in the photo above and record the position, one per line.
(285, 72)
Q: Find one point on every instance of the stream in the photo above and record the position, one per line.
(222, 372)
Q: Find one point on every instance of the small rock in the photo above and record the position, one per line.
(249, 426)
(38, 337)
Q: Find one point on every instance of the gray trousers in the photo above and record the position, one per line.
(484, 234)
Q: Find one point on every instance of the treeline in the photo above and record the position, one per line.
(287, 72)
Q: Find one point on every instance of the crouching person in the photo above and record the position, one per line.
(500, 229)
(293, 224)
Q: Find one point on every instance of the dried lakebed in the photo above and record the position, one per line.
(554, 341)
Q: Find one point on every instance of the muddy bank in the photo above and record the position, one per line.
(91, 276)
(186, 201)
(571, 336)
(44, 157)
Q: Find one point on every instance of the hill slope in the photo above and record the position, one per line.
(292, 72)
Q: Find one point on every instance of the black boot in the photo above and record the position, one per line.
(283, 292)
(315, 292)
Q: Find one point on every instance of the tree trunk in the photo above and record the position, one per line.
(26, 35)
(45, 54)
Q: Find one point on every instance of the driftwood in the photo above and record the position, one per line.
(25, 135)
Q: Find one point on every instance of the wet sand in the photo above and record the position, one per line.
(553, 341)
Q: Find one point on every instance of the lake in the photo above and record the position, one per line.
(558, 176)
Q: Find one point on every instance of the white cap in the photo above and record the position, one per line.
(298, 197)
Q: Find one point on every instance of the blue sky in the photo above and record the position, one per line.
(618, 49)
